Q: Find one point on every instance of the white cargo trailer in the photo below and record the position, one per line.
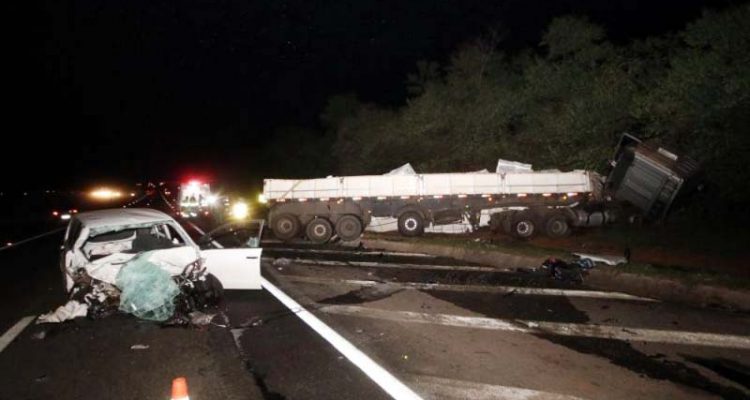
(346, 205)
(644, 180)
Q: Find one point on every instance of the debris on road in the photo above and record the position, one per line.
(609, 260)
(148, 291)
(139, 347)
(198, 318)
(568, 271)
(39, 335)
(72, 309)
(283, 262)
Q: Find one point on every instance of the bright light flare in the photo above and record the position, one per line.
(262, 199)
(240, 210)
(105, 194)
(65, 217)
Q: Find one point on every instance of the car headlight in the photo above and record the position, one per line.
(240, 210)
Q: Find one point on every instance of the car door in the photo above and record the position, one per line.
(231, 252)
(237, 268)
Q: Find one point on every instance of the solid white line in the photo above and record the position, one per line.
(444, 388)
(370, 264)
(20, 242)
(520, 290)
(544, 327)
(349, 252)
(378, 374)
(14, 331)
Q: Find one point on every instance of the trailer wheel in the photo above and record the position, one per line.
(411, 223)
(556, 226)
(523, 226)
(285, 227)
(319, 230)
(349, 227)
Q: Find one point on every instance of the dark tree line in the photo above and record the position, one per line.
(562, 104)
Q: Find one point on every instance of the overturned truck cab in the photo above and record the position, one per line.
(101, 242)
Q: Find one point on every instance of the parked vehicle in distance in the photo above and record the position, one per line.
(645, 180)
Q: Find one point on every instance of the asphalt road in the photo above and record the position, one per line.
(444, 328)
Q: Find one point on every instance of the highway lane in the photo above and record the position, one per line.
(500, 333)
(278, 358)
(445, 328)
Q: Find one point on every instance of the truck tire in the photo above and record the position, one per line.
(524, 225)
(411, 223)
(349, 227)
(319, 230)
(556, 226)
(286, 227)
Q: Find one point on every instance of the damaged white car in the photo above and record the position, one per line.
(101, 242)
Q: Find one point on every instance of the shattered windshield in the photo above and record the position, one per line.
(132, 240)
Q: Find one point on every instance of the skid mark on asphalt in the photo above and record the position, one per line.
(433, 387)
(548, 328)
(728, 369)
(624, 355)
(506, 290)
(362, 295)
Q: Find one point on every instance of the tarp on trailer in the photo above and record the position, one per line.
(505, 166)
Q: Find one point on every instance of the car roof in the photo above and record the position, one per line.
(121, 216)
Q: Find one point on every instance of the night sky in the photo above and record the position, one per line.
(136, 89)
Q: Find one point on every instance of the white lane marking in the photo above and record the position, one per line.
(544, 327)
(348, 252)
(433, 387)
(24, 241)
(521, 290)
(378, 374)
(14, 331)
(370, 264)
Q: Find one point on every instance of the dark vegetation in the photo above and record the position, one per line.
(562, 104)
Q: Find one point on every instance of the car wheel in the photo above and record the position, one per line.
(349, 227)
(319, 230)
(285, 227)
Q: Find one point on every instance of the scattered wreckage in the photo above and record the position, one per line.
(142, 262)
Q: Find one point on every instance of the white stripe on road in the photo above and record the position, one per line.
(544, 327)
(370, 264)
(433, 387)
(378, 374)
(347, 252)
(14, 331)
(20, 242)
(474, 288)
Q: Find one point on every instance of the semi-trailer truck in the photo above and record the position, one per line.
(643, 182)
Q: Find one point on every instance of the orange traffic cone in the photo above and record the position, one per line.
(179, 389)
